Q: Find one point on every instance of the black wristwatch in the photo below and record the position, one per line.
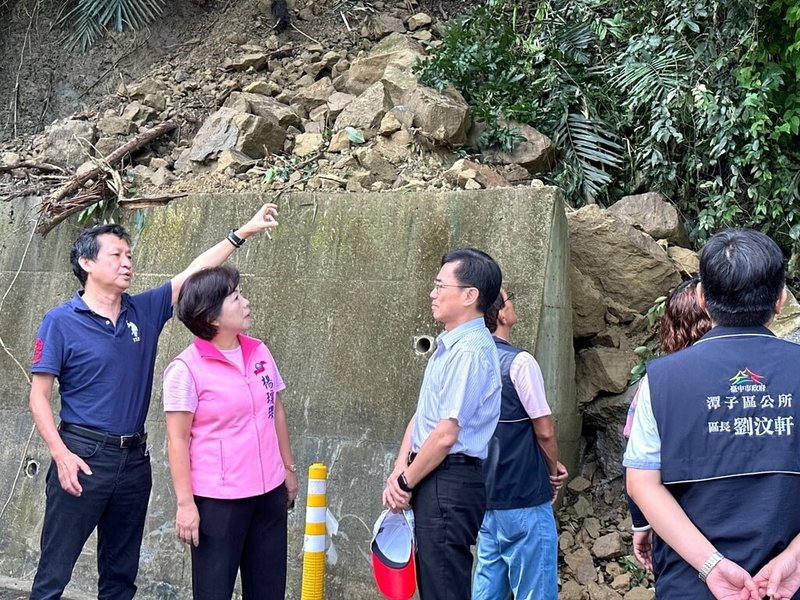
(403, 483)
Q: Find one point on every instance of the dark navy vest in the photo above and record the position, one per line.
(515, 472)
(727, 411)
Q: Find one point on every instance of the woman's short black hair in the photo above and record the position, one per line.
(201, 298)
(742, 276)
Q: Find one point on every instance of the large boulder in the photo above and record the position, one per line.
(588, 306)
(442, 115)
(69, 142)
(366, 111)
(534, 151)
(231, 129)
(600, 369)
(264, 106)
(654, 215)
(396, 50)
(624, 263)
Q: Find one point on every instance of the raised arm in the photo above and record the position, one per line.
(263, 220)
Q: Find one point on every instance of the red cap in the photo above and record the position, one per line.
(393, 555)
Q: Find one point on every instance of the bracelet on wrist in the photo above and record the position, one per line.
(710, 563)
(235, 239)
(292, 468)
(639, 528)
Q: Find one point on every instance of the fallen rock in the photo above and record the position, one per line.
(582, 566)
(162, 177)
(602, 370)
(608, 546)
(256, 61)
(384, 24)
(264, 106)
(464, 170)
(686, 260)
(307, 143)
(339, 142)
(588, 305)
(535, 152)
(571, 590)
(116, 126)
(138, 113)
(372, 161)
(315, 94)
(579, 484)
(337, 102)
(418, 20)
(640, 593)
(627, 265)
(366, 111)
(69, 142)
(442, 115)
(601, 592)
(265, 88)
(10, 159)
(230, 129)
(147, 87)
(396, 50)
(655, 216)
(238, 161)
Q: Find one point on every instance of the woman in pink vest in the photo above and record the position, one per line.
(229, 450)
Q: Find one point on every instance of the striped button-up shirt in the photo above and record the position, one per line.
(462, 382)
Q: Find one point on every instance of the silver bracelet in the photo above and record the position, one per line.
(641, 528)
(710, 563)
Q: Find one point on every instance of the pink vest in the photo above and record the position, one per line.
(234, 447)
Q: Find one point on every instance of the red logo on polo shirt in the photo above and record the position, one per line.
(37, 350)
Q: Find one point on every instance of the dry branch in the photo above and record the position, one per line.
(31, 164)
(54, 207)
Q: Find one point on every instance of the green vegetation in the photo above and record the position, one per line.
(697, 99)
(87, 20)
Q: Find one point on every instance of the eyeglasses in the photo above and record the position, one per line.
(438, 286)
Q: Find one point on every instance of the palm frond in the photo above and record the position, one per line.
(647, 81)
(86, 20)
(573, 40)
(589, 150)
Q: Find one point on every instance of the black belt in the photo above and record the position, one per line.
(121, 441)
(452, 459)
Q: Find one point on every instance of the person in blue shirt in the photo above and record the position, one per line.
(713, 459)
(101, 346)
(438, 470)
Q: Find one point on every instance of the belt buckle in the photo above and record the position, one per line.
(125, 439)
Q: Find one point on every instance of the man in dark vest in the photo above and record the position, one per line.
(714, 455)
(518, 543)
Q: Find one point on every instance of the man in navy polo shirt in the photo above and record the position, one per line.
(101, 345)
(714, 454)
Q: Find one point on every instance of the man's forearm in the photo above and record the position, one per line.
(405, 448)
(546, 438)
(45, 423)
(433, 451)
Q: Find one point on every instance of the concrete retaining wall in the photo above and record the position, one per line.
(340, 295)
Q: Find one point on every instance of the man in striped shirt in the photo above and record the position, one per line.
(438, 470)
